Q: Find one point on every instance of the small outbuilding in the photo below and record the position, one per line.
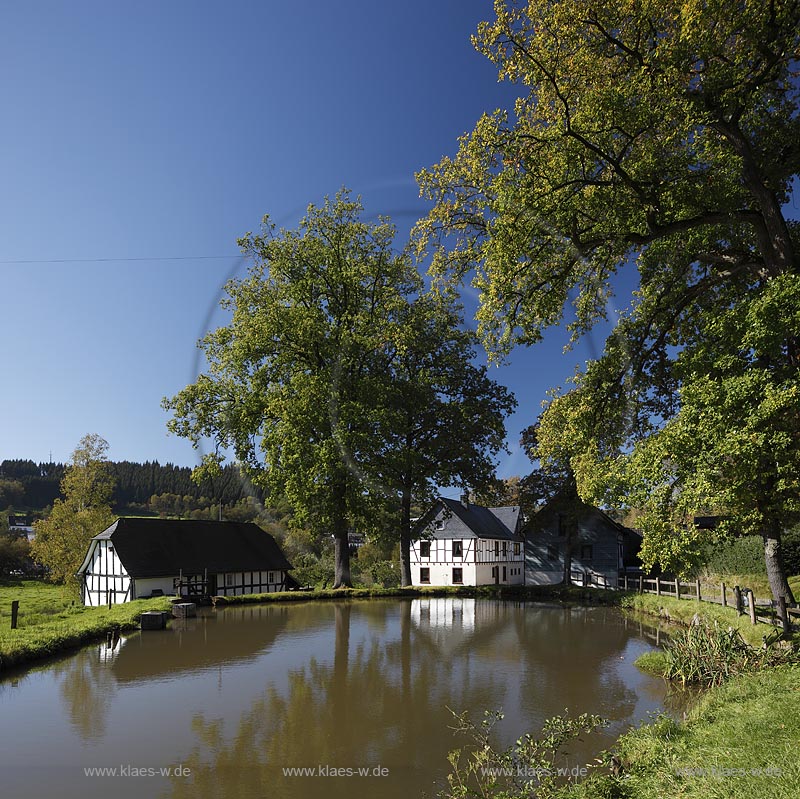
(140, 558)
(461, 543)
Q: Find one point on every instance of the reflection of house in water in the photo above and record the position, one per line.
(444, 612)
(452, 625)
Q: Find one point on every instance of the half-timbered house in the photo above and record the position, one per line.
(137, 558)
(460, 543)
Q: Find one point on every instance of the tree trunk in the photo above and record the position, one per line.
(341, 544)
(405, 539)
(775, 570)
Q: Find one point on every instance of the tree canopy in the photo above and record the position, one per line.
(339, 381)
(84, 511)
(663, 136)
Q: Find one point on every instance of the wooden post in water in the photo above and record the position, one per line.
(724, 596)
(697, 590)
(14, 613)
(752, 606)
(737, 598)
(784, 615)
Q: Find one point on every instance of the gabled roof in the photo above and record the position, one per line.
(160, 547)
(470, 521)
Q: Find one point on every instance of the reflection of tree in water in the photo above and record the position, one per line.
(380, 700)
(85, 685)
(381, 703)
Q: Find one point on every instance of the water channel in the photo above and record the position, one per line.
(236, 696)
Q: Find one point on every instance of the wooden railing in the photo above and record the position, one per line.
(743, 599)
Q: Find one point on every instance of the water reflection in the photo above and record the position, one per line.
(240, 694)
(382, 703)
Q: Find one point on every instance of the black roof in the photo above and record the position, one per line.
(471, 521)
(159, 547)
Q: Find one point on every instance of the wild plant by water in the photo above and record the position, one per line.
(530, 767)
(709, 655)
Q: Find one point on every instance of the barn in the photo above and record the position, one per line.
(140, 558)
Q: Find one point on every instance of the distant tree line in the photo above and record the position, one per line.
(29, 486)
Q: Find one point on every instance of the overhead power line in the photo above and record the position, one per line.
(108, 260)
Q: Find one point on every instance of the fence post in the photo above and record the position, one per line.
(658, 586)
(14, 612)
(737, 597)
(677, 588)
(641, 584)
(697, 587)
(724, 597)
(784, 614)
(752, 607)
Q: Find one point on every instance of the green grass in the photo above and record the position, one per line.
(49, 623)
(586, 596)
(38, 602)
(758, 583)
(739, 742)
(683, 611)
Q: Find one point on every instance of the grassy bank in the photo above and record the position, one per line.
(50, 624)
(683, 611)
(532, 593)
(739, 742)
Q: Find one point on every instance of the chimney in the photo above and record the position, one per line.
(465, 500)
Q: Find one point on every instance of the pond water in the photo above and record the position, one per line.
(231, 699)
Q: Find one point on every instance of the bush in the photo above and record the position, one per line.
(740, 556)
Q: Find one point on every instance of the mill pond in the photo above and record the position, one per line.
(231, 702)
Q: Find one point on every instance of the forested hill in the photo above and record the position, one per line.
(26, 485)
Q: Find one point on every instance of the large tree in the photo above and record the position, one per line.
(661, 135)
(292, 380)
(441, 418)
(83, 511)
(341, 383)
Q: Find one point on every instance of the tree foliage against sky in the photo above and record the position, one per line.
(663, 135)
(340, 383)
(62, 539)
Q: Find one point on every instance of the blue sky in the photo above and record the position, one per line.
(141, 140)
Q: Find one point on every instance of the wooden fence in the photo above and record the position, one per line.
(760, 610)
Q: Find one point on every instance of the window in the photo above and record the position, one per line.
(439, 524)
(425, 575)
(505, 548)
(271, 577)
(424, 549)
(552, 552)
(458, 549)
(496, 548)
(458, 576)
(228, 579)
(586, 552)
(516, 549)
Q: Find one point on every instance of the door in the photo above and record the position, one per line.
(504, 574)
(496, 575)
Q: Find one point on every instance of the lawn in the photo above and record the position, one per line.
(52, 620)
